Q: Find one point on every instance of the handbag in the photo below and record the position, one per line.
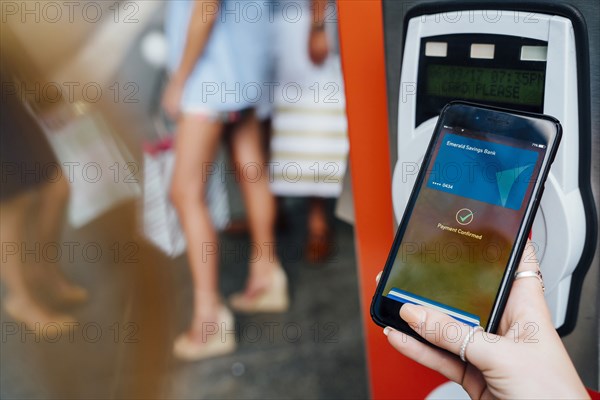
(160, 223)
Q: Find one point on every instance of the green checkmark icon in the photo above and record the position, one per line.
(464, 216)
(463, 219)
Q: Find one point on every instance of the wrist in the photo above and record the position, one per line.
(179, 78)
(317, 26)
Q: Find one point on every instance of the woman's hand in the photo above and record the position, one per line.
(525, 360)
(318, 45)
(171, 100)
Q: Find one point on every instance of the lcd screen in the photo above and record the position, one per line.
(499, 85)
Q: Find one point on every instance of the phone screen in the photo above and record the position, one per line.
(464, 223)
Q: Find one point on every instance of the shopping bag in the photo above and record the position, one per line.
(160, 223)
(100, 170)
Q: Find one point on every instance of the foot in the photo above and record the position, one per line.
(67, 294)
(56, 287)
(260, 279)
(35, 316)
(266, 292)
(207, 308)
(211, 340)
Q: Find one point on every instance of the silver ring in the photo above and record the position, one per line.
(466, 341)
(531, 274)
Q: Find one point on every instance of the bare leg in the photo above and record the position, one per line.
(318, 246)
(49, 217)
(54, 197)
(19, 301)
(195, 146)
(317, 217)
(249, 159)
(13, 214)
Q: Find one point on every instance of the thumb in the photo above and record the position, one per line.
(449, 334)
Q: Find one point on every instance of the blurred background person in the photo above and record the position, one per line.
(49, 131)
(211, 49)
(309, 144)
(34, 194)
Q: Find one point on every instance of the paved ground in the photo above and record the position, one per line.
(313, 351)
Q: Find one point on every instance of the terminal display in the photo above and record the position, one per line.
(497, 70)
(486, 84)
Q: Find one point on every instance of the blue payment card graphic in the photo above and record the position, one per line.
(485, 171)
(462, 316)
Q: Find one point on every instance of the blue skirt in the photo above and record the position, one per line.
(230, 74)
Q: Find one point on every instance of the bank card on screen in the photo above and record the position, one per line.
(482, 170)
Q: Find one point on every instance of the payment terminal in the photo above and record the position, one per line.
(531, 60)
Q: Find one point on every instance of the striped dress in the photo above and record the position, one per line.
(309, 147)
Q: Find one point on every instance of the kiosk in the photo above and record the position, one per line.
(520, 57)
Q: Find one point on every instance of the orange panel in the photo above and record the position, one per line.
(361, 36)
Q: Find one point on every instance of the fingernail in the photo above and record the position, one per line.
(378, 277)
(412, 314)
(387, 330)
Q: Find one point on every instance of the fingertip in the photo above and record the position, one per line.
(412, 314)
(389, 331)
(378, 277)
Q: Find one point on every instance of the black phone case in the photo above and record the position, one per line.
(520, 241)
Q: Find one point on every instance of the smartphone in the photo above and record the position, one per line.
(469, 215)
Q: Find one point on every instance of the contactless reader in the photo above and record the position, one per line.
(516, 59)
